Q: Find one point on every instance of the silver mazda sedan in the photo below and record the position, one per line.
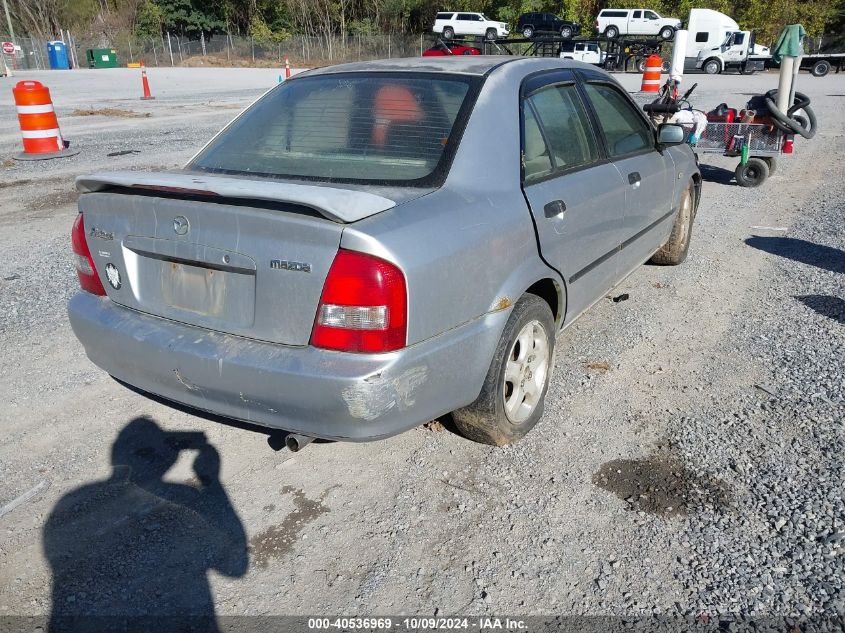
(374, 245)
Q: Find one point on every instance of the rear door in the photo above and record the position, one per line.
(577, 198)
(636, 25)
(629, 141)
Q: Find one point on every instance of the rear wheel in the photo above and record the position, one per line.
(467, 52)
(611, 32)
(772, 162)
(513, 395)
(753, 173)
(566, 32)
(712, 66)
(667, 33)
(448, 32)
(820, 68)
(491, 34)
(528, 32)
(675, 251)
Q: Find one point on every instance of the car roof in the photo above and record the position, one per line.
(462, 65)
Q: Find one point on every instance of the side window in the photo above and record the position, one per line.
(739, 38)
(464, 16)
(637, 15)
(702, 36)
(564, 121)
(536, 162)
(650, 15)
(624, 129)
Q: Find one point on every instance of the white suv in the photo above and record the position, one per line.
(451, 24)
(615, 22)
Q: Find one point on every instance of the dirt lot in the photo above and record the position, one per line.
(690, 462)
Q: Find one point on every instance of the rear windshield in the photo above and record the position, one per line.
(347, 127)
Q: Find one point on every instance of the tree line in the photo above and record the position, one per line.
(277, 20)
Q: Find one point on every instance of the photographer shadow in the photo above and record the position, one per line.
(133, 552)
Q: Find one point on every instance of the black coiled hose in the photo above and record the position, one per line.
(788, 122)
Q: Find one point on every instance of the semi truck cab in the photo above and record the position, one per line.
(738, 50)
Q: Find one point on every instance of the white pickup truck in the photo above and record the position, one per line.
(615, 22)
(587, 52)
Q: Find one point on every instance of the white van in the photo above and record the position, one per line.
(615, 22)
(450, 24)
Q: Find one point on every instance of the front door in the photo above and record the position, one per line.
(576, 198)
(647, 173)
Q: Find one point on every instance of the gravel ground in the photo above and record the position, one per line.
(690, 462)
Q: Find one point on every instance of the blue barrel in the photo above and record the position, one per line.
(57, 54)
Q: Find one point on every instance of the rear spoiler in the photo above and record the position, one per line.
(334, 203)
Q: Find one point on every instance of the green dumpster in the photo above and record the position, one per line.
(101, 58)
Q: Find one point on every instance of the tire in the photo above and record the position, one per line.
(491, 34)
(772, 162)
(712, 67)
(746, 71)
(492, 419)
(641, 65)
(753, 173)
(528, 32)
(667, 33)
(666, 66)
(820, 68)
(675, 251)
(467, 52)
(611, 32)
(566, 32)
(448, 32)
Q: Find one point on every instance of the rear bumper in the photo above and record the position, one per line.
(315, 392)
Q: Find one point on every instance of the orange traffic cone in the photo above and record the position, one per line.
(145, 82)
(287, 67)
(39, 125)
(651, 74)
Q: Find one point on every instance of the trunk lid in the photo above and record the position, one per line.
(225, 265)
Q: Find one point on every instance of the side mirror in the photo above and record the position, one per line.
(670, 134)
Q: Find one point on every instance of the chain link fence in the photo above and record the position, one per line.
(225, 50)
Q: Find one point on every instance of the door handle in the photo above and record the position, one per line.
(634, 179)
(555, 209)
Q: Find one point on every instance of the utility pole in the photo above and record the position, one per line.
(9, 20)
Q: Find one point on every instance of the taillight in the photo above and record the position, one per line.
(363, 306)
(85, 270)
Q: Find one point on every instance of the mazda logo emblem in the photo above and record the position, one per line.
(180, 225)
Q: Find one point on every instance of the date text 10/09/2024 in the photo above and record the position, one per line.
(417, 624)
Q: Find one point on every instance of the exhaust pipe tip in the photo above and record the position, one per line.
(296, 442)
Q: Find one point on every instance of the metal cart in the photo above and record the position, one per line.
(756, 144)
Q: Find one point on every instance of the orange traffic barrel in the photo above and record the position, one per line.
(651, 74)
(39, 125)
